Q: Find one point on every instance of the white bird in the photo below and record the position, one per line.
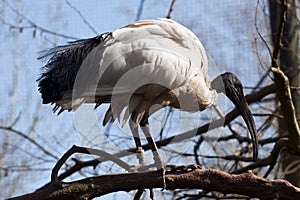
(135, 67)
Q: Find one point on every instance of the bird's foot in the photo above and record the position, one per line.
(160, 166)
(140, 155)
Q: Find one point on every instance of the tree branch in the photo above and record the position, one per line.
(283, 90)
(77, 149)
(287, 107)
(209, 180)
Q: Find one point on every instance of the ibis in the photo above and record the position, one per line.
(145, 63)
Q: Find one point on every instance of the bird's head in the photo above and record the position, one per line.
(231, 86)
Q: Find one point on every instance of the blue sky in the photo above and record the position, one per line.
(226, 30)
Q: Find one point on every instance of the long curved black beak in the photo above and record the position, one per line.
(240, 103)
(231, 86)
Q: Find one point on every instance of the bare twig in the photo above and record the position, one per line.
(11, 129)
(140, 10)
(258, 32)
(82, 17)
(171, 9)
(270, 160)
(77, 149)
(31, 25)
(232, 157)
(268, 114)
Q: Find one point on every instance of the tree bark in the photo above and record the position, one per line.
(288, 62)
(210, 180)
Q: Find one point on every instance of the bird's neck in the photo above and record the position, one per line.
(191, 98)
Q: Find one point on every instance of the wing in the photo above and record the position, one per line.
(147, 52)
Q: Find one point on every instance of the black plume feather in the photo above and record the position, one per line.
(62, 66)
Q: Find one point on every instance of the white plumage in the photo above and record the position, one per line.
(134, 67)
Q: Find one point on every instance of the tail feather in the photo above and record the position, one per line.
(63, 63)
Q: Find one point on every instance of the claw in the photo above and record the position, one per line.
(140, 155)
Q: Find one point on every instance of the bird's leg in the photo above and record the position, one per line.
(157, 158)
(139, 149)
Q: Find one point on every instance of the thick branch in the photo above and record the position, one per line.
(209, 180)
(285, 97)
(278, 38)
(283, 86)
